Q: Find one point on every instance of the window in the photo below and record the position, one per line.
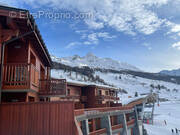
(68, 92)
(99, 92)
(107, 93)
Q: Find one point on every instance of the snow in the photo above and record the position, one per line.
(129, 100)
(75, 78)
(94, 62)
(168, 111)
(127, 82)
(141, 85)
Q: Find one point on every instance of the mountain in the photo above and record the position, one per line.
(175, 72)
(104, 71)
(92, 61)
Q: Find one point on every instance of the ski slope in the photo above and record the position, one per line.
(169, 111)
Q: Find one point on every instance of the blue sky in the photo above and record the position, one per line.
(144, 33)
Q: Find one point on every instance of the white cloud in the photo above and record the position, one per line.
(90, 39)
(87, 42)
(77, 44)
(174, 29)
(94, 37)
(176, 45)
(147, 45)
(94, 25)
(128, 16)
(73, 44)
(105, 35)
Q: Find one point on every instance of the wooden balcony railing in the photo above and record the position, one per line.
(15, 76)
(53, 87)
(98, 110)
(119, 126)
(103, 97)
(20, 76)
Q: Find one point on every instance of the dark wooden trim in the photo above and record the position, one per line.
(18, 90)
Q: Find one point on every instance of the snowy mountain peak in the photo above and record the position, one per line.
(93, 61)
(90, 55)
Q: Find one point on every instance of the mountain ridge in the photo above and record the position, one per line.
(174, 72)
(92, 61)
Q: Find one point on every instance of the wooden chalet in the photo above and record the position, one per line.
(24, 56)
(25, 67)
(84, 95)
(26, 63)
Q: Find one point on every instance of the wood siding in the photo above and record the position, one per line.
(50, 118)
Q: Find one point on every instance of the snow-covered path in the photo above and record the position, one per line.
(169, 111)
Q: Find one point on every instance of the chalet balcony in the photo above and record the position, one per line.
(20, 76)
(52, 87)
(105, 97)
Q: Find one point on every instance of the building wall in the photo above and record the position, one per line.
(34, 95)
(16, 52)
(49, 118)
(38, 60)
(74, 90)
(91, 99)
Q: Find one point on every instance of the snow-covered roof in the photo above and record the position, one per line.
(133, 99)
(82, 84)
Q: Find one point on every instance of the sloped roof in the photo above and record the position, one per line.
(32, 22)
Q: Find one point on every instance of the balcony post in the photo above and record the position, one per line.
(85, 127)
(136, 130)
(121, 119)
(106, 123)
(124, 124)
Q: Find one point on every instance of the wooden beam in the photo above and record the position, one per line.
(33, 28)
(0, 61)
(7, 34)
(42, 47)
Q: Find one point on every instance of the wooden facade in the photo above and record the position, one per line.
(84, 95)
(37, 118)
(24, 57)
(26, 63)
(25, 77)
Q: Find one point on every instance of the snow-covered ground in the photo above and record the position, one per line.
(168, 111)
(129, 83)
(141, 85)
